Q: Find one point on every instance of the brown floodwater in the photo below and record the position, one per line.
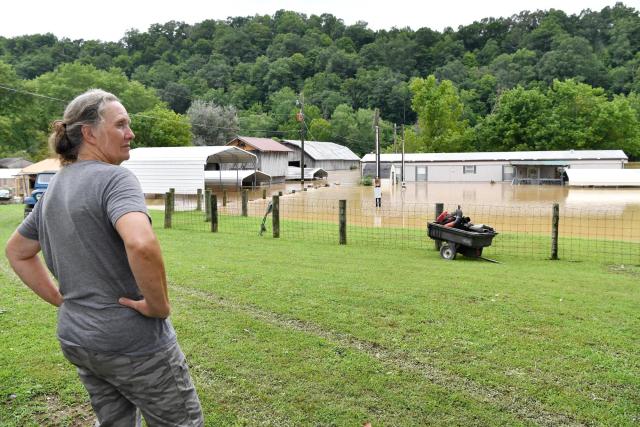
(585, 212)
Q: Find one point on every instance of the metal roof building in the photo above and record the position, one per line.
(272, 156)
(326, 155)
(293, 173)
(603, 177)
(14, 163)
(238, 178)
(519, 167)
(160, 168)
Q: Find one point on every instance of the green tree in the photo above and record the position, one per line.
(19, 134)
(212, 124)
(439, 110)
(160, 127)
(320, 130)
(519, 122)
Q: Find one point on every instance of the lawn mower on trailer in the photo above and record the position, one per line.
(456, 233)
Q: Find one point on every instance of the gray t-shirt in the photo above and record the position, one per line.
(75, 225)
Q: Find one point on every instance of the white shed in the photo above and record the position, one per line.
(238, 178)
(603, 177)
(160, 168)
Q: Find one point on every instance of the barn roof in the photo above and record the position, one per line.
(46, 165)
(207, 154)
(318, 150)
(260, 144)
(502, 156)
(14, 163)
(182, 168)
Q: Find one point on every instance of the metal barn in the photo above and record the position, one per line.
(326, 155)
(272, 156)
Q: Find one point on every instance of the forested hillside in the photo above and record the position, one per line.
(533, 81)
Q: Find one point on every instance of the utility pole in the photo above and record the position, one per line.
(402, 168)
(395, 136)
(377, 128)
(300, 118)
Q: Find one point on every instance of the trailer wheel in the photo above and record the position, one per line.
(447, 252)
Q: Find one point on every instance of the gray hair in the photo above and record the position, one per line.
(86, 109)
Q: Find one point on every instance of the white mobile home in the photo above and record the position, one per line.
(518, 167)
(326, 155)
(272, 156)
(160, 168)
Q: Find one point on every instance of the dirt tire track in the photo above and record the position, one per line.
(525, 409)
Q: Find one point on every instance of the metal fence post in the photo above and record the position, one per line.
(439, 210)
(207, 205)
(224, 197)
(245, 202)
(555, 222)
(199, 200)
(167, 210)
(275, 216)
(214, 213)
(342, 213)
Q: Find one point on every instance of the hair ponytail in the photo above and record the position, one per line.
(66, 135)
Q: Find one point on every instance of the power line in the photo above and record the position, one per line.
(140, 115)
(31, 93)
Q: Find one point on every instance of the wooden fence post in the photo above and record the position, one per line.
(264, 193)
(167, 210)
(173, 199)
(245, 202)
(224, 197)
(199, 200)
(214, 213)
(207, 205)
(275, 216)
(342, 213)
(555, 222)
(439, 210)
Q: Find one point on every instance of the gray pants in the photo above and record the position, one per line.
(121, 387)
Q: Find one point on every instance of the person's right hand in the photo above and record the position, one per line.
(142, 307)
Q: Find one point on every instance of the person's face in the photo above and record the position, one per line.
(113, 134)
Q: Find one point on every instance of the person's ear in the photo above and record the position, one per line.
(87, 134)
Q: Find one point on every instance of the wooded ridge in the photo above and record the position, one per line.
(540, 80)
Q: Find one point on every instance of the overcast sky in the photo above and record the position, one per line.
(108, 20)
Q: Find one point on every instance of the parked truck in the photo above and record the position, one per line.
(39, 188)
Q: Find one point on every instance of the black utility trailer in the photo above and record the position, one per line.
(454, 241)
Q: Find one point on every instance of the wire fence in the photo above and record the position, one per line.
(611, 236)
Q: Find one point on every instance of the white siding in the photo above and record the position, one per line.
(600, 164)
(273, 163)
(455, 172)
(156, 177)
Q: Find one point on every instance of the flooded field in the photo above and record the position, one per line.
(585, 212)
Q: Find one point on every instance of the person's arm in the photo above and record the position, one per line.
(145, 260)
(22, 254)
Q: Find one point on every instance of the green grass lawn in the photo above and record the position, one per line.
(294, 332)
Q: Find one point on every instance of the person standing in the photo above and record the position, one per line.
(95, 234)
(377, 192)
